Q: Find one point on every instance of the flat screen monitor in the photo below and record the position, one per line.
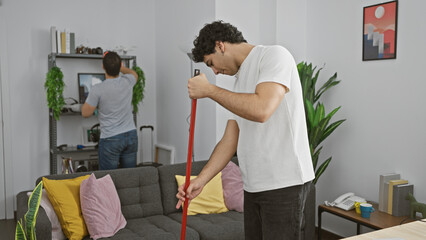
(85, 83)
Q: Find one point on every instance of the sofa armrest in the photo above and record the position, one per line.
(43, 225)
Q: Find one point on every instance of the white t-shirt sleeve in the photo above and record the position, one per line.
(276, 65)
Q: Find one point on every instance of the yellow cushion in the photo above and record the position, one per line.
(65, 198)
(210, 200)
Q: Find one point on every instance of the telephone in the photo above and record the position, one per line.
(346, 201)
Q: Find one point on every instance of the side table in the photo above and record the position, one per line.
(413, 231)
(378, 220)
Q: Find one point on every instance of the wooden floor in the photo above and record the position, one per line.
(7, 229)
(325, 235)
(7, 232)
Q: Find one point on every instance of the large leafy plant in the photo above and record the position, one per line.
(318, 123)
(54, 86)
(30, 217)
(138, 88)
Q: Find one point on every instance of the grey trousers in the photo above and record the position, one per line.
(275, 214)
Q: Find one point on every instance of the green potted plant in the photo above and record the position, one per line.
(54, 86)
(138, 88)
(30, 217)
(318, 123)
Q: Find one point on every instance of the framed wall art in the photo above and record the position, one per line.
(379, 31)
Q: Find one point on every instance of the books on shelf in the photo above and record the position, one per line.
(53, 39)
(400, 205)
(72, 43)
(390, 194)
(58, 42)
(384, 189)
(67, 40)
(62, 41)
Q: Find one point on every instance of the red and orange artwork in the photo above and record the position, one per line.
(379, 35)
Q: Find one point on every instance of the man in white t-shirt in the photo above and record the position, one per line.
(267, 130)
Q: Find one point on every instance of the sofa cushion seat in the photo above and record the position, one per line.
(157, 227)
(222, 226)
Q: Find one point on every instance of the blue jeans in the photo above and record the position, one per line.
(119, 150)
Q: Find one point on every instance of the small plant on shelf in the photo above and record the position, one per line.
(138, 89)
(54, 86)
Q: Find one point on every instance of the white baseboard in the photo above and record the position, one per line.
(169, 149)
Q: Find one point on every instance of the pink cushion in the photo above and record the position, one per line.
(101, 207)
(233, 187)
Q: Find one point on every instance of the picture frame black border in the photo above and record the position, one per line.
(396, 30)
(78, 82)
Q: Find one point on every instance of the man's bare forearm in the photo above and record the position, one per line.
(222, 153)
(126, 70)
(217, 162)
(87, 110)
(256, 107)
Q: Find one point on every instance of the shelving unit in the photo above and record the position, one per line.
(53, 130)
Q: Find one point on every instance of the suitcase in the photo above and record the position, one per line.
(153, 162)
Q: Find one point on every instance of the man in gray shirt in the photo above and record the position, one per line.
(118, 144)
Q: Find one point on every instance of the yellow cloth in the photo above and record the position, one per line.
(210, 200)
(65, 198)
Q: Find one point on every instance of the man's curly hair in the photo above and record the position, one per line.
(205, 43)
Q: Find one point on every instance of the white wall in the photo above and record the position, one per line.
(291, 27)
(267, 22)
(383, 102)
(177, 23)
(127, 23)
(2, 169)
(7, 199)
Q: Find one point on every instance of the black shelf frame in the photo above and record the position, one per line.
(53, 56)
(84, 150)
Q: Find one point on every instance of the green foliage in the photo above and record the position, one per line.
(20, 233)
(30, 217)
(138, 89)
(54, 86)
(318, 123)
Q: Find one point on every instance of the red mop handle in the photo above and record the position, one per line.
(188, 161)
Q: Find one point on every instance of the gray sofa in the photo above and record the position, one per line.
(148, 201)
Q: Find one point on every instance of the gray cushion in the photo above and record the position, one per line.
(169, 185)
(153, 228)
(137, 188)
(223, 226)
